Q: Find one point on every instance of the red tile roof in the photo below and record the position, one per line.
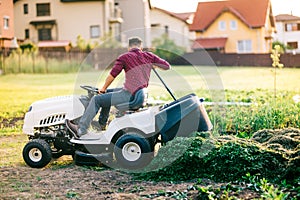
(252, 12)
(285, 17)
(209, 43)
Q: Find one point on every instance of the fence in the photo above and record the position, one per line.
(220, 59)
(61, 61)
(15, 61)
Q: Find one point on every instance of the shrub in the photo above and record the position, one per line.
(166, 48)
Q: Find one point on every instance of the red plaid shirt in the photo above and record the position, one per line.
(137, 66)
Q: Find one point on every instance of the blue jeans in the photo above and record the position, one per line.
(103, 101)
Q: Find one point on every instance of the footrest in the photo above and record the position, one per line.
(87, 159)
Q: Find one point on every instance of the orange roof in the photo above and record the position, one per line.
(209, 43)
(252, 12)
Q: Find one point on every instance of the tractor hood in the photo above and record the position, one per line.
(52, 111)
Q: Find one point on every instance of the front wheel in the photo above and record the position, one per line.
(37, 153)
(133, 151)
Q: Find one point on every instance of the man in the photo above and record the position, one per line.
(137, 66)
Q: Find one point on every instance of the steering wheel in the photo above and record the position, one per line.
(91, 90)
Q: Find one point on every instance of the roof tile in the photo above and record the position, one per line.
(252, 12)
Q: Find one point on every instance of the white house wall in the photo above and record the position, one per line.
(72, 19)
(285, 37)
(177, 29)
(136, 19)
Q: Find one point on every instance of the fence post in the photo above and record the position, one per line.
(33, 62)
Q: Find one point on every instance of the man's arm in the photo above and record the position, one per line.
(107, 83)
(160, 63)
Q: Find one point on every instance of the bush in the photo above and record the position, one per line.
(166, 48)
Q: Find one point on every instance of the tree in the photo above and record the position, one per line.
(166, 48)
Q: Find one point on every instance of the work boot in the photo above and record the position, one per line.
(97, 126)
(73, 128)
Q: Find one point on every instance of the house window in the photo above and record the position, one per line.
(43, 9)
(27, 34)
(233, 25)
(292, 45)
(95, 31)
(166, 30)
(5, 22)
(244, 46)
(292, 27)
(44, 34)
(25, 8)
(222, 25)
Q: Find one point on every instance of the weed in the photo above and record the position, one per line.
(270, 192)
(72, 195)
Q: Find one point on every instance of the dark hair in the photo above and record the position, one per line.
(135, 41)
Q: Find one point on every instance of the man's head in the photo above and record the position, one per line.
(135, 42)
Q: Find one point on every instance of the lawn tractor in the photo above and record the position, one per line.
(130, 140)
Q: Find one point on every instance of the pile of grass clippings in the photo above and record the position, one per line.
(270, 154)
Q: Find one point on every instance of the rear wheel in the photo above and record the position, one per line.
(37, 153)
(133, 151)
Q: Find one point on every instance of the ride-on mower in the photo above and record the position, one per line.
(129, 140)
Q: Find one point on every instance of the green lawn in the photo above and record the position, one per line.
(19, 91)
(24, 88)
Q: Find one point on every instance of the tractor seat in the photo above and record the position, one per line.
(136, 102)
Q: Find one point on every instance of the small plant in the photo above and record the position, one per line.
(275, 55)
(270, 192)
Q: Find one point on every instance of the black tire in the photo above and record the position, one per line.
(37, 153)
(133, 151)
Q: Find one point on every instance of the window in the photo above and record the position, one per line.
(5, 22)
(25, 8)
(43, 9)
(95, 31)
(292, 45)
(222, 25)
(167, 30)
(292, 27)
(44, 34)
(27, 34)
(233, 25)
(244, 46)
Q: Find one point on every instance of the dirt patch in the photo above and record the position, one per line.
(12, 122)
(74, 182)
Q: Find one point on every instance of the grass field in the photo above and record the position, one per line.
(19, 91)
(236, 84)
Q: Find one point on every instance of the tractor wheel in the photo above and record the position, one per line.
(37, 153)
(133, 151)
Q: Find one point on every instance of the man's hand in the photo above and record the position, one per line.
(101, 91)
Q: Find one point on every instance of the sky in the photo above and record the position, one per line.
(278, 6)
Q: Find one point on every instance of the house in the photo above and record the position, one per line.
(136, 15)
(64, 20)
(175, 25)
(234, 26)
(6, 24)
(288, 32)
